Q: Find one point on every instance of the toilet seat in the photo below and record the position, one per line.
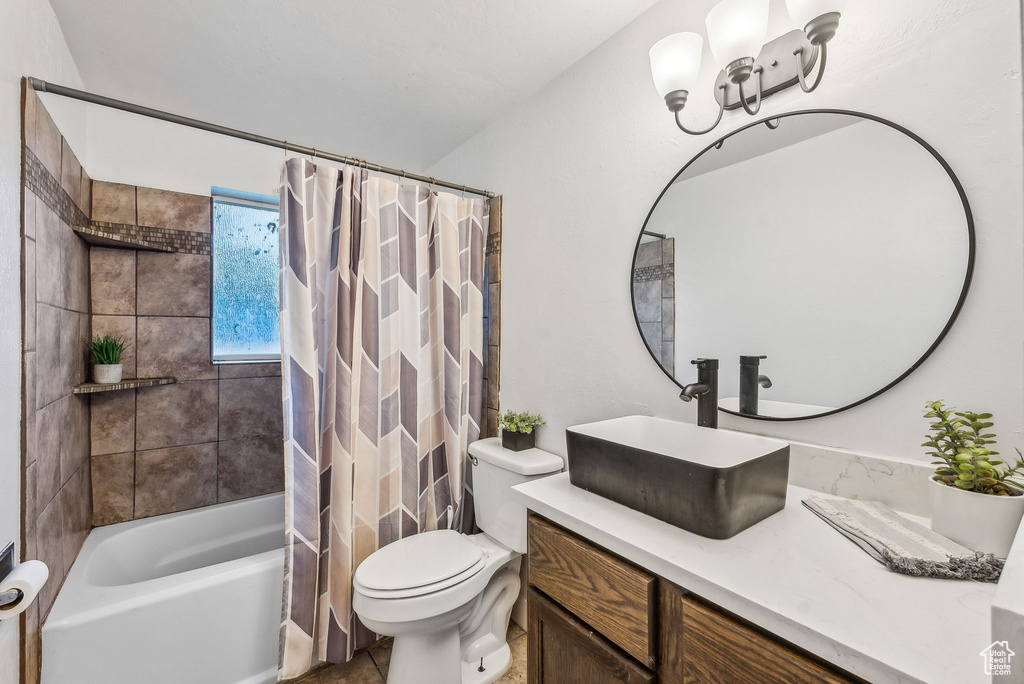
(420, 564)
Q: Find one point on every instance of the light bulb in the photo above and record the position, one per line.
(737, 29)
(675, 62)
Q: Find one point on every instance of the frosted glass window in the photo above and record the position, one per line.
(245, 279)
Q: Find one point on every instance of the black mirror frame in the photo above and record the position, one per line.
(968, 275)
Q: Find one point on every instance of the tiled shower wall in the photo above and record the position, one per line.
(654, 296)
(216, 434)
(492, 320)
(55, 278)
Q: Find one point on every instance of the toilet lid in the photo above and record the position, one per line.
(418, 561)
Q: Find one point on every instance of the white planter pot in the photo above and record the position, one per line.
(106, 374)
(978, 521)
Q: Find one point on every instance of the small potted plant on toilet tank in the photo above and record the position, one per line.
(519, 430)
(106, 352)
(977, 499)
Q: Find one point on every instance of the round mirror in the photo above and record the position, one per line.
(820, 256)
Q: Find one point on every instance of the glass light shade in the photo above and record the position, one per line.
(675, 62)
(804, 12)
(737, 29)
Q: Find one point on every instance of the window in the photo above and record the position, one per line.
(245, 277)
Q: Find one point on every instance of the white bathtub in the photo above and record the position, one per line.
(190, 597)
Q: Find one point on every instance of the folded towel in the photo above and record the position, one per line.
(903, 545)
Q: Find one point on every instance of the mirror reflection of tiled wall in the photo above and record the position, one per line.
(654, 297)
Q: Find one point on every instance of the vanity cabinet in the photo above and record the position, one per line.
(596, 618)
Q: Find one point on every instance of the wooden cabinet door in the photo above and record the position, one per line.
(563, 650)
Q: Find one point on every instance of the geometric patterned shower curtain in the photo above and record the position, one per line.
(382, 346)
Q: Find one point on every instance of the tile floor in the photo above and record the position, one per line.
(370, 666)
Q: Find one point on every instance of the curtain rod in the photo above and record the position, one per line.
(64, 91)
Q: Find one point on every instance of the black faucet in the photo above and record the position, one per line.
(750, 380)
(706, 391)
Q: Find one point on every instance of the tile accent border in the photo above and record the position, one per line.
(183, 241)
(43, 185)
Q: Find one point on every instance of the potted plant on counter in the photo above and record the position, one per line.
(106, 352)
(977, 499)
(519, 430)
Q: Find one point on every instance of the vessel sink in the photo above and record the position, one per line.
(714, 483)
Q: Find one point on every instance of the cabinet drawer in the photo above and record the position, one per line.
(716, 648)
(613, 597)
(565, 651)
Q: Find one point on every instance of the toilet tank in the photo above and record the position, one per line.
(495, 471)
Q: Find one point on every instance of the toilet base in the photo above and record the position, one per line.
(495, 665)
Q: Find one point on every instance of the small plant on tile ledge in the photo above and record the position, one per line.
(977, 499)
(519, 430)
(107, 352)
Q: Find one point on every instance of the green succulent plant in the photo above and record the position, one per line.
(960, 440)
(524, 422)
(106, 349)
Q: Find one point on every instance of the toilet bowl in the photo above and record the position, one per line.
(446, 597)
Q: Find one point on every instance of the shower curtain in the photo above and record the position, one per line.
(381, 355)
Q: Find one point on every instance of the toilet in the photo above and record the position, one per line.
(446, 597)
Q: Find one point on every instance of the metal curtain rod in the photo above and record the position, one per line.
(43, 86)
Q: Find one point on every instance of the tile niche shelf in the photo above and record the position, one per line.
(127, 383)
(100, 238)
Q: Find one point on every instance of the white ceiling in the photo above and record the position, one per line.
(398, 82)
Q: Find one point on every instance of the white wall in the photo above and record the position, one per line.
(581, 163)
(31, 44)
(841, 262)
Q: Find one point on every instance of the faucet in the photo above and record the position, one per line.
(750, 380)
(706, 391)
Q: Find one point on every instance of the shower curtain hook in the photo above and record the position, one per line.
(463, 192)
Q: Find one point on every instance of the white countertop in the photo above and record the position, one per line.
(796, 577)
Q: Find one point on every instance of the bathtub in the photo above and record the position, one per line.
(190, 597)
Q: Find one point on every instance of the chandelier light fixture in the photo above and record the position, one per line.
(737, 30)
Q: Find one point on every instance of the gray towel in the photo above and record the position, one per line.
(901, 544)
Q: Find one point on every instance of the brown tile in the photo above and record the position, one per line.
(113, 488)
(112, 276)
(112, 420)
(76, 513)
(517, 670)
(173, 415)
(250, 407)
(31, 644)
(86, 194)
(30, 294)
(166, 209)
(119, 326)
(174, 347)
(30, 407)
(49, 377)
(29, 214)
(514, 631)
(73, 352)
(28, 116)
(70, 173)
(250, 467)
(494, 313)
(380, 651)
(173, 284)
(50, 550)
(31, 511)
(113, 202)
(359, 670)
(51, 257)
(494, 268)
(175, 479)
(78, 272)
(249, 370)
(51, 426)
(74, 443)
(48, 141)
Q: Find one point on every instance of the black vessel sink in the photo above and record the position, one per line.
(714, 483)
